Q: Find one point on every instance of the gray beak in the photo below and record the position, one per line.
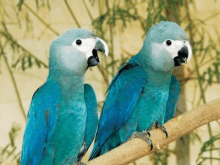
(99, 46)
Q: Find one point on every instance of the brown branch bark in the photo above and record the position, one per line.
(176, 128)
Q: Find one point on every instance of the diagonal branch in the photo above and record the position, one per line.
(41, 20)
(71, 12)
(176, 128)
(12, 40)
(87, 9)
(13, 81)
(15, 87)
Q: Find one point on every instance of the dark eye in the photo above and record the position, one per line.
(78, 42)
(168, 42)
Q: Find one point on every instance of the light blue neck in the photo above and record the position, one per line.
(155, 78)
(159, 79)
(69, 83)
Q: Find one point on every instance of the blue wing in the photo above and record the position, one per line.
(41, 122)
(91, 120)
(123, 94)
(174, 93)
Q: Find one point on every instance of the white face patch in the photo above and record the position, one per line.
(87, 45)
(173, 46)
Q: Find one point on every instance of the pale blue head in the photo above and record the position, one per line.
(165, 47)
(74, 51)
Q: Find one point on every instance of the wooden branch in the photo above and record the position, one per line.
(176, 128)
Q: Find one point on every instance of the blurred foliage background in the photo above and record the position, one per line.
(28, 27)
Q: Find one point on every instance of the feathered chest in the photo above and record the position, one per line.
(71, 120)
(151, 106)
(152, 100)
(153, 94)
(71, 115)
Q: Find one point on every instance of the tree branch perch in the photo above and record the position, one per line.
(176, 128)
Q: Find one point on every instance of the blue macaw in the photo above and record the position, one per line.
(144, 91)
(62, 119)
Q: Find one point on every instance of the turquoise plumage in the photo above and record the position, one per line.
(144, 91)
(61, 108)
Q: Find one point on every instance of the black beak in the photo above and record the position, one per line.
(182, 56)
(94, 59)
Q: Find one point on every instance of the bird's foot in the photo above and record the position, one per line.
(161, 127)
(78, 163)
(143, 135)
(145, 132)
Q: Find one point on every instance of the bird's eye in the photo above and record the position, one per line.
(78, 42)
(168, 42)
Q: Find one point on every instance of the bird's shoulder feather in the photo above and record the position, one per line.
(41, 121)
(174, 92)
(122, 96)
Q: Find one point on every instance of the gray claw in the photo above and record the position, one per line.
(162, 128)
(146, 133)
(142, 135)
